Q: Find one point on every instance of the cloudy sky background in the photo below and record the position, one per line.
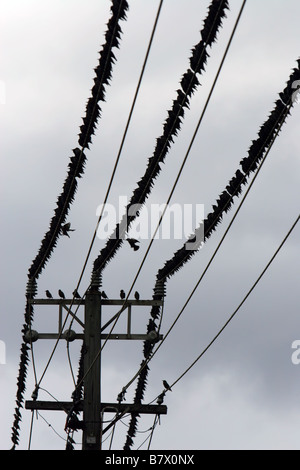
(244, 392)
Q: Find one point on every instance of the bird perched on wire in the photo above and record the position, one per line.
(66, 229)
(49, 295)
(137, 295)
(133, 243)
(166, 385)
(75, 294)
(122, 294)
(61, 294)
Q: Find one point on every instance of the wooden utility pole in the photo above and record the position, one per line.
(91, 438)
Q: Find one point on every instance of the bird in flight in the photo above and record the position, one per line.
(166, 385)
(76, 295)
(133, 243)
(61, 294)
(49, 295)
(122, 294)
(137, 295)
(66, 229)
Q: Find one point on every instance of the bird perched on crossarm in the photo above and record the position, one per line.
(49, 295)
(66, 229)
(122, 294)
(133, 243)
(103, 295)
(166, 385)
(137, 295)
(61, 294)
(76, 295)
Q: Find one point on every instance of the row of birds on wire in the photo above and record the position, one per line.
(76, 169)
(78, 160)
(76, 295)
(257, 150)
(172, 125)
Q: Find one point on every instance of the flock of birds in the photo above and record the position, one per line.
(77, 296)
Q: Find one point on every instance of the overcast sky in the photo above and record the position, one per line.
(244, 392)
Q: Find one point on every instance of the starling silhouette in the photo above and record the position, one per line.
(61, 294)
(133, 243)
(67, 228)
(166, 385)
(49, 295)
(103, 295)
(137, 295)
(76, 295)
(122, 294)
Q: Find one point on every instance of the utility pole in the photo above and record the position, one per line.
(91, 436)
(93, 333)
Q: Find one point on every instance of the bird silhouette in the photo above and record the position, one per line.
(67, 228)
(49, 295)
(133, 243)
(76, 295)
(122, 294)
(103, 295)
(61, 294)
(166, 385)
(137, 295)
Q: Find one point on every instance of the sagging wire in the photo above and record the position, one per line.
(241, 303)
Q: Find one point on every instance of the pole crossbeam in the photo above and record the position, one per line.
(106, 407)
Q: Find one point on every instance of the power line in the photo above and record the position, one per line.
(219, 244)
(76, 168)
(236, 310)
(240, 304)
(281, 111)
(213, 256)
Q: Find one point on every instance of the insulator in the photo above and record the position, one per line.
(31, 336)
(96, 280)
(152, 335)
(160, 288)
(31, 288)
(69, 335)
(35, 393)
(121, 395)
